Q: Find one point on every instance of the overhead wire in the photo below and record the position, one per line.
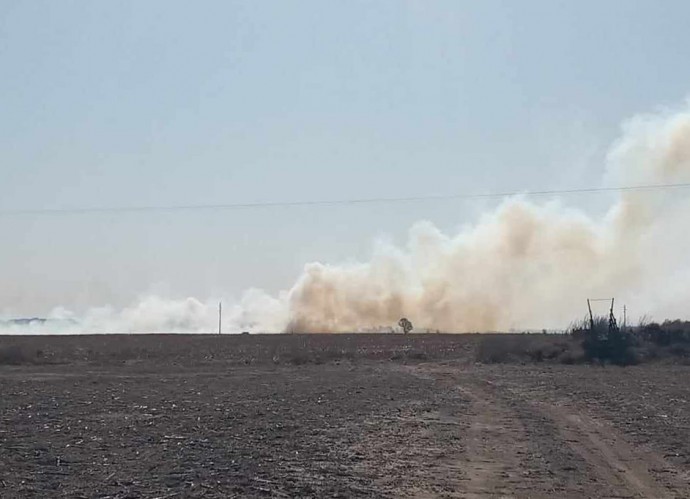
(352, 201)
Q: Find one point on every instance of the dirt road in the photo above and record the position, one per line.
(518, 445)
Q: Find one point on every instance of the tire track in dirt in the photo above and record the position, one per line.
(621, 468)
(494, 440)
(495, 443)
(517, 445)
(615, 460)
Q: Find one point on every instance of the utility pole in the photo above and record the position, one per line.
(220, 317)
(625, 316)
(591, 317)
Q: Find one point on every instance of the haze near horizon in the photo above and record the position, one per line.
(164, 104)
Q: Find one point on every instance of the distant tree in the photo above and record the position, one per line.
(405, 324)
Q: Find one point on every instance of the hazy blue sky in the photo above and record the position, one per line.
(160, 102)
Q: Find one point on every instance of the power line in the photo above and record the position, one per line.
(287, 204)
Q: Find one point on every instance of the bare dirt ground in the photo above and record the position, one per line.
(346, 416)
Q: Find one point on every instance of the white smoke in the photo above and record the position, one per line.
(525, 264)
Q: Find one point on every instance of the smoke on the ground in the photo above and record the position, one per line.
(524, 264)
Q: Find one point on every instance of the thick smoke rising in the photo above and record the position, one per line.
(525, 264)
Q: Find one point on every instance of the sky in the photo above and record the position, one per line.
(157, 103)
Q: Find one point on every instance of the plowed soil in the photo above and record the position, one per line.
(347, 416)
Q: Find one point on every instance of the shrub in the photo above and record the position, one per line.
(668, 333)
(497, 348)
(606, 344)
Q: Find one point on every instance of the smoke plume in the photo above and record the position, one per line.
(524, 264)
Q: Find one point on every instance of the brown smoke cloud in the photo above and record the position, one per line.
(524, 264)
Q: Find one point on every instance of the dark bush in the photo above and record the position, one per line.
(668, 333)
(505, 348)
(605, 343)
(496, 349)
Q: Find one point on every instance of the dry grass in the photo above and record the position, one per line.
(524, 348)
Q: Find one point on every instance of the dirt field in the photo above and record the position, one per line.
(331, 416)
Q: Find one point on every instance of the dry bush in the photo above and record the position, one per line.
(601, 343)
(667, 333)
(497, 349)
(665, 342)
(523, 348)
